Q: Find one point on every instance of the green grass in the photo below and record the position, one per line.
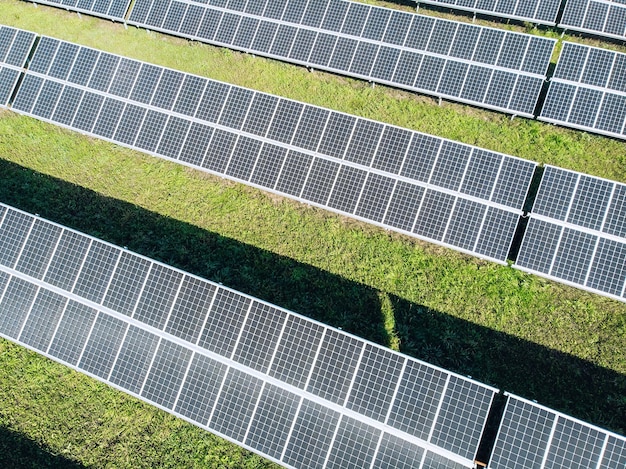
(559, 345)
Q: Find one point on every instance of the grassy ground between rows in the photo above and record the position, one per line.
(556, 344)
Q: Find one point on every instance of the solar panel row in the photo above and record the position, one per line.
(531, 435)
(588, 90)
(250, 371)
(15, 46)
(534, 11)
(110, 9)
(601, 17)
(436, 189)
(483, 66)
(577, 232)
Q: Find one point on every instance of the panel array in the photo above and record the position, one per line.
(287, 387)
(577, 232)
(487, 67)
(601, 17)
(110, 9)
(588, 90)
(435, 189)
(534, 11)
(15, 46)
(531, 435)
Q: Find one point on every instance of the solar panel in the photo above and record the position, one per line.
(531, 435)
(577, 232)
(486, 67)
(588, 91)
(261, 376)
(533, 11)
(111, 9)
(599, 17)
(402, 180)
(15, 46)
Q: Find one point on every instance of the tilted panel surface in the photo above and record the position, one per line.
(534, 11)
(600, 17)
(588, 91)
(15, 46)
(577, 232)
(439, 190)
(491, 68)
(384, 408)
(111, 9)
(531, 435)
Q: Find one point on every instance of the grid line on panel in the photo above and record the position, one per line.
(114, 362)
(43, 319)
(380, 41)
(21, 326)
(597, 17)
(587, 91)
(129, 354)
(549, 16)
(292, 135)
